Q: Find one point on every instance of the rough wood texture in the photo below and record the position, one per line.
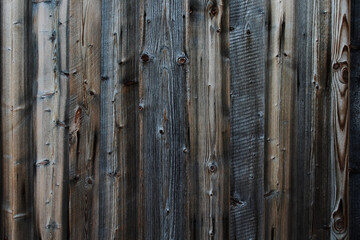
(247, 57)
(162, 120)
(209, 125)
(84, 113)
(319, 87)
(16, 119)
(119, 167)
(280, 123)
(354, 122)
(50, 119)
(340, 61)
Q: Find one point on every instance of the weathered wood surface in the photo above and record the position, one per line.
(17, 205)
(354, 122)
(247, 57)
(340, 103)
(119, 152)
(50, 81)
(162, 120)
(209, 127)
(172, 119)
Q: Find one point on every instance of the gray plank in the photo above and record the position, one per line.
(119, 150)
(162, 120)
(247, 57)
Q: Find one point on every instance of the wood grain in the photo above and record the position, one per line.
(247, 58)
(50, 119)
(280, 113)
(208, 82)
(84, 113)
(354, 149)
(162, 120)
(16, 119)
(119, 166)
(340, 60)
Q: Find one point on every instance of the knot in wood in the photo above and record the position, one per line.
(336, 66)
(339, 225)
(213, 11)
(145, 57)
(181, 60)
(212, 168)
(345, 75)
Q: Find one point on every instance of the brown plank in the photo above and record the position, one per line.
(320, 165)
(208, 82)
(340, 103)
(16, 119)
(84, 113)
(280, 116)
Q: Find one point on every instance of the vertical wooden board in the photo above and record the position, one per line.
(16, 133)
(281, 89)
(162, 118)
(84, 126)
(340, 63)
(320, 166)
(119, 167)
(300, 224)
(208, 82)
(354, 122)
(50, 115)
(247, 58)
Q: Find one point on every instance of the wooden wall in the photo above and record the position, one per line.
(169, 119)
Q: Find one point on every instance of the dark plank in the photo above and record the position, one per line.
(355, 122)
(247, 57)
(119, 165)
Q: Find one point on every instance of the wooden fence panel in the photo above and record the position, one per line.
(247, 56)
(354, 122)
(164, 119)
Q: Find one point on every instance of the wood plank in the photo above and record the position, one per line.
(340, 62)
(119, 166)
(84, 127)
(16, 132)
(50, 115)
(247, 57)
(354, 122)
(320, 166)
(162, 118)
(208, 82)
(280, 112)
